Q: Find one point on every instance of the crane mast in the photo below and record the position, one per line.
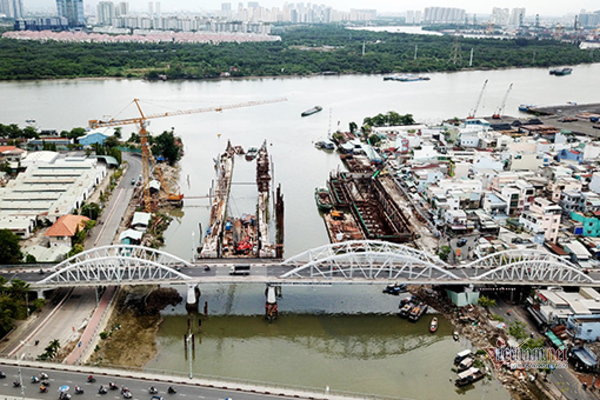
(498, 113)
(474, 111)
(147, 158)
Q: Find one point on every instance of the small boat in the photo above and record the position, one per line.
(251, 153)
(433, 325)
(465, 364)
(323, 199)
(561, 71)
(325, 145)
(417, 312)
(469, 376)
(455, 336)
(395, 289)
(311, 111)
(525, 107)
(406, 78)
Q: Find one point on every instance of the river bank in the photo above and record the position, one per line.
(130, 335)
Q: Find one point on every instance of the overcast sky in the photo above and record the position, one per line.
(542, 7)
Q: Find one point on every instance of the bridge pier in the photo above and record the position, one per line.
(192, 298)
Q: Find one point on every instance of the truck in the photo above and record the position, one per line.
(240, 270)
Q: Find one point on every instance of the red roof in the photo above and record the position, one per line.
(7, 148)
(67, 225)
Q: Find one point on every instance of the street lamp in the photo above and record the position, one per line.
(21, 376)
(193, 243)
(188, 341)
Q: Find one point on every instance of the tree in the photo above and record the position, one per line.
(517, 330)
(10, 250)
(353, 127)
(50, 351)
(76, 133)
(444, 253)
(75, 250)
(118, 132)
(486, 302)
(168, 146)
(91, 210)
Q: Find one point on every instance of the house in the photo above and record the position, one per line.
(590, 223)
(131, 236)
(61, 143)
(572, 155)
(542, 220)
(65, 228)
(140, 221)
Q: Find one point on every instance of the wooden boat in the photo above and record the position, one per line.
(406, 309)
(469, 376)
(417, 312)
(433, 326)
(323, 199)
(465, 364)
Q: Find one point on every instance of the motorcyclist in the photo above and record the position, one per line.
(43, 388)
(78, 389)
(43, 375)
(16, 383)
(172, 390)
(35, 379)
(153, 390)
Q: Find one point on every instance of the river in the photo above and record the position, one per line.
(346, 338)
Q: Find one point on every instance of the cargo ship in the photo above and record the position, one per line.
(311, 111)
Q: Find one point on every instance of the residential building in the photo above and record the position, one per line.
(13, 9)
(91, 138)
(65, 228)
(542, 220)
(105, 12)
(590, 223)
(72, 10)
(443, 15)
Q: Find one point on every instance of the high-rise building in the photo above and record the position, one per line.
(517, 15)
(12, 8)
(157, 8)
(444, 15)
(105, 12)
(72, 10)
(122, 9)
(151, 8)
(499, 16)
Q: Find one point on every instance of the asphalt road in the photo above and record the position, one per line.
(138, 387)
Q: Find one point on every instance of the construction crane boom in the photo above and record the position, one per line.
(498, 113)
(147, 158)
(474, 111)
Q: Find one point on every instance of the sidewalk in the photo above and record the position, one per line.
(93, 326)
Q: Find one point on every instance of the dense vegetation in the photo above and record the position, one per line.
(14, 303)
(303, 50)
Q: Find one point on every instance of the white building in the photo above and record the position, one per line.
(542, 220)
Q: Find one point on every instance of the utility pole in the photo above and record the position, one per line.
(363, 49)
(416, 50)
(456, 55)
(471, 58)
(189, 350)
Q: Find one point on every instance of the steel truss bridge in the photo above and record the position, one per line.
(352, 262)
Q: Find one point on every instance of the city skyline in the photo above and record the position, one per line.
(382, 6)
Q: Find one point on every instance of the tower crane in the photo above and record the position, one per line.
(147, 158)
(498, 113)
(474, 111)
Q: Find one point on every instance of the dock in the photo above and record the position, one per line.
(218, 211)
(266, 248)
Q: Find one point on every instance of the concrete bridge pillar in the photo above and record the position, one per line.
(40, 294)
(191, 294)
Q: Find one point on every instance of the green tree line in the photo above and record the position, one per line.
(303, 50)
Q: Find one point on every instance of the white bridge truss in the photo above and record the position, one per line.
(527, 266)
(370, 260)
(117, 264)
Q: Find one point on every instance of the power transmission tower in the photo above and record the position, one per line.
(456, 53)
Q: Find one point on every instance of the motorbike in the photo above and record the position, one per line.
(2, 375)
(78, 390)
(65, 396)
(91, 379)
(112, 386)
(152, 390)
(102, 390)
(127, 394)
(43, 375)
(171, 390)
(43, 389)
(35, 379)
(206, 268)
(45, 382)
(16, 384)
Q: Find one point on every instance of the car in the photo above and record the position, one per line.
(133, 181)
(156, 397)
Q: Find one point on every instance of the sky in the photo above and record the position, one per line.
(542, 7)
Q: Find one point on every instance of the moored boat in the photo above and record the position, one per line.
(406, 309)
(311, 111)
(323, 199)
(406, 78)
(395, 289)
(465, 364)
(251, 153)
(469, 376)
(325, 145)
(433, 326)
(417, 312)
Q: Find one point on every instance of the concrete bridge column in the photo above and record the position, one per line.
(191, 294)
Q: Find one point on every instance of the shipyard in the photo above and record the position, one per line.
(415, 233)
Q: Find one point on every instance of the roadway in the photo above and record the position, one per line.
(138, 384)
